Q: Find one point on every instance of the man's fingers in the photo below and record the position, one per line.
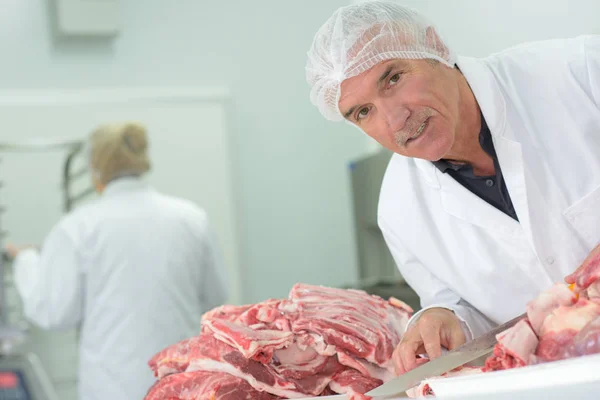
(570, 278)
(406, 352)
(434, 329)
(398, 366)
(431, 340)
(456, 339)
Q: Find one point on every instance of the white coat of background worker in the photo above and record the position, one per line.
(134, 270)
(492, 195)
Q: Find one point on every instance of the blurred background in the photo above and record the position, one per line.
(221, 87)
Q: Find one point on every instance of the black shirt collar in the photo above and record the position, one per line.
(485, 140)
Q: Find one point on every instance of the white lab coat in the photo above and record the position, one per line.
(542, 104)
(135, 270)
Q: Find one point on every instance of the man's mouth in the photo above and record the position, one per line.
(418, 132)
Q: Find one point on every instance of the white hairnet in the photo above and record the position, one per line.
(358, 37)
(117, 150)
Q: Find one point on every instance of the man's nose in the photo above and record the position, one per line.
(395, 116)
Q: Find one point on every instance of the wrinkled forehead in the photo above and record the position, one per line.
(357, 88)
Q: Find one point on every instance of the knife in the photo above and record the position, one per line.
(470, 351)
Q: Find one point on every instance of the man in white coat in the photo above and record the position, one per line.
(492, 195)
(135, 270)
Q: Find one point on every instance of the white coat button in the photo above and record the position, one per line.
(489, 182)
(550, 260)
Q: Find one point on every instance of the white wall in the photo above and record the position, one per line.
(290, 164)
(477, 28)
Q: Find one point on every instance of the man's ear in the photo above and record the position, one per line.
(433, 40)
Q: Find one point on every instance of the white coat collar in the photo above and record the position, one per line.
(456, 199)
(123, 185)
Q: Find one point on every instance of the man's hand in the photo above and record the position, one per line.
(588, 271)
(435, 328)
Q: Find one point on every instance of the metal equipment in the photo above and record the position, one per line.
(22, 376)
(74, 148)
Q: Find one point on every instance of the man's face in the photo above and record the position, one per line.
(410, 107)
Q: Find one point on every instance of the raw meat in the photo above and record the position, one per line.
(201, 385)
(586, 342)
(226, 312)
(539, 308)
(207, 353)
(561, 327)
(252, 343)
(354, 321)
(364, 367)
(318, 341)
(296, 362)
(175, 358)
(564, 326)
(514, 349)
(354, 384)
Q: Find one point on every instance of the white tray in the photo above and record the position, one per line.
(546, 378)
(577, 378)
(344, 397)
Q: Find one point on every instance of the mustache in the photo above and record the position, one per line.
(412, 125)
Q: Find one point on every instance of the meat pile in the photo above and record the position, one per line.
(563, 322)
(319, 341)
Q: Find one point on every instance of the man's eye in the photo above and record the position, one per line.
(362, 113)
(394, 79)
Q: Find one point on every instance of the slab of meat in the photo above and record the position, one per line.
(316, 342)
(355, 322)
(364, 367)
(585, 342)
(257, 344)
(175, 358)
(354, 384)
(514, 349)
(561, 327)
(542, 306)
(207, 353)
(226, 312)
(202, 385)
(266, 315)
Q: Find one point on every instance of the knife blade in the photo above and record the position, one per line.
(470, 351)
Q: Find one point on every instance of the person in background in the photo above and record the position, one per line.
(135, 270)
(491, 196)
